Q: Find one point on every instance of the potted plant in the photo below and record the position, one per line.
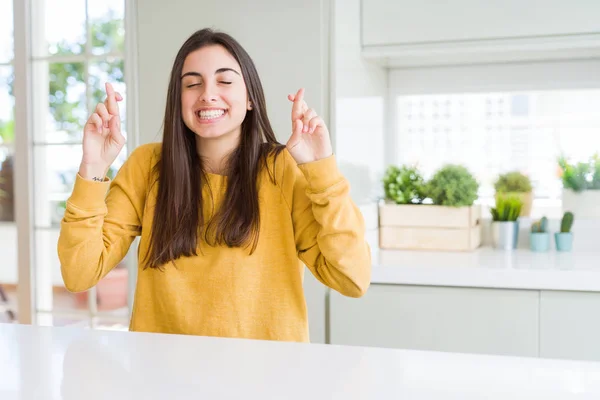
(505, 229)
(404, 185)
(564, 238)
(539, 236)
(438, 214)
(453, 186)
(581, 186)
(515, 183)
(7, 207)
(111, 290)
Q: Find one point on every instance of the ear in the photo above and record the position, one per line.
(249, 105)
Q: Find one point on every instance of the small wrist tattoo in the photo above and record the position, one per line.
(97, 179)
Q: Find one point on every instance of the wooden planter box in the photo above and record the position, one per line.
(429, 227)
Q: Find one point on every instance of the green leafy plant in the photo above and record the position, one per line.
(404, 185)
(3, 193)
(582, 175)
(595, 185)
(540, 226)
(453, 185)
(513, 181)
(7, 131)
(507, 209)
(567, 222)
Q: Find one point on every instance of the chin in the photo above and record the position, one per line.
(212, 132)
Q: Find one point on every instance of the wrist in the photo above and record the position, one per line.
(93, 172)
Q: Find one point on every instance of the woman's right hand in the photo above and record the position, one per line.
(102, 138)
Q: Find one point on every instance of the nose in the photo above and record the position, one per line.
(208, 95)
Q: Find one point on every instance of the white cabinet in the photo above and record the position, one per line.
(315, 293)
(531, 323)
(570, 325)
(468, 320)
(407, 33)
(397, 22)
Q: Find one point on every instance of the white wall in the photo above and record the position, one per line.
(288, 41)
(359, 104)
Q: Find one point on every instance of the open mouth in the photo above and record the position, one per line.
(210, 115)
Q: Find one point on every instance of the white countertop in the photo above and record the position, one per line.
(489, 268)
(66, 363)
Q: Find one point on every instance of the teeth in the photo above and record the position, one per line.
(210, 114)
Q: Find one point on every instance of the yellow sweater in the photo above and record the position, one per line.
(307, 218)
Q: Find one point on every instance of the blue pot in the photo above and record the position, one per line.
(564, 241)
(539, 241)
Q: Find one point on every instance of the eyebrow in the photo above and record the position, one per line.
(216, 72)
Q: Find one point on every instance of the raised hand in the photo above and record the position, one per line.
(310, 137)
(102, 138)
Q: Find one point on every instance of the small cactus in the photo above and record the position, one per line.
(567, 222)
(540, 226)
(544, 225)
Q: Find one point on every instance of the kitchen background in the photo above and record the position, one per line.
(460, 126)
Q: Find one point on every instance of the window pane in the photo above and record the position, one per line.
(8, 272)
(59, 102)
(6, 31)
(51, 294)
(109, 70)
(491, 133)
(58, 27)
(55, 169)
(8, 229)
(106, 25)
(7, 136)
(7, 103)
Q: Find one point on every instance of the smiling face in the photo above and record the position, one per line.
(214, 98)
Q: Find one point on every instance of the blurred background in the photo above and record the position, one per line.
(492, 86)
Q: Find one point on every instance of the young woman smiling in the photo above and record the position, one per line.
(228, 217)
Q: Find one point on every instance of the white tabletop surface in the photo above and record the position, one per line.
(488, 267)
(66, 363)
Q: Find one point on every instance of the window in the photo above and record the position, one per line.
(8, 229)
(475, 123)
(77, 46)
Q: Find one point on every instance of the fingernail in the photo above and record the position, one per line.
(305, 129)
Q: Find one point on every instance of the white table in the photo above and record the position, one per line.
(58, 363)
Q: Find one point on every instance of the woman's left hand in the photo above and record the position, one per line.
(310, 137)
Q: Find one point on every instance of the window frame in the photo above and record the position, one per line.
(25, 168)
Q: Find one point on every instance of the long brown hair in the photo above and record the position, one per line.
(178, 217)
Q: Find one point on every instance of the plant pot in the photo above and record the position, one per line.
(111, 291)
(526, 198)
(505, 234)
(564, 241)
(539, 241)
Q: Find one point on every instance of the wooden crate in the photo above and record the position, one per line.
(429, 227)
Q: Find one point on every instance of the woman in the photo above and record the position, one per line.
(228, 217)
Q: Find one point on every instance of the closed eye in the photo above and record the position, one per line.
(197, 84)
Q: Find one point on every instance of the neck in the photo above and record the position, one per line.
(214, 152)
